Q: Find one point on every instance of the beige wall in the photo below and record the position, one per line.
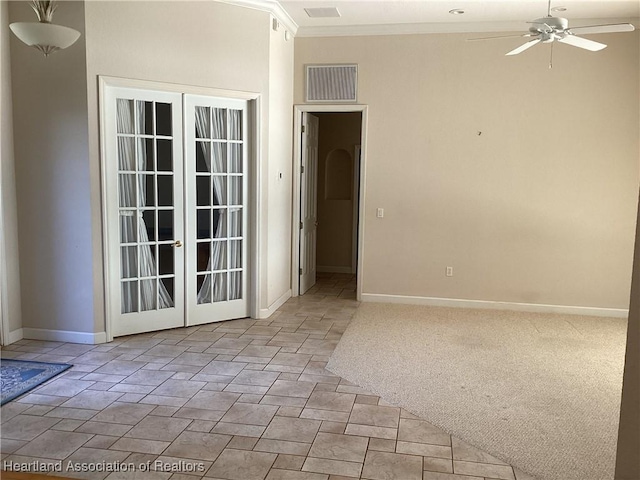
(538, 208)
(10, 283)
(206, 44)
(338, 131)
(277, 220)
(52, 178)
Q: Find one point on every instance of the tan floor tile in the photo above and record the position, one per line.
(101, 441)
(464, 451)
(242, 389)
(253, 377)
(419, 431)
(283, 401)
(250, 414)
(198, 414)
(447, 476)
(289, 462)
(276, 474)
(223, 368)
(63, 387)
(207, 400)
(139, 445)
(286, 388)
(291, 359)
(73, 413)
(339, 447)
(369, 431)
(239, 429)
(92, 400)
(9, 446)
(243, 443)
(164, 400)
(148, 377)
(442, 465)
(54, 444)
(67, 425)
(197, 445)
(125, 413)
(100, 428)
(178, 388)
(335, 467)
(282, 446)
(158, 428)
(339, 402)
(166, 350)
(119, 367)
(292, 429)
(423, 449)
(375, 416)
(242, 465)
(37, 399)
(196, 359)
(392, 466)
(333, 427)
(327, 415)
(382, 445)
(26, 427)
(289, 411)
(502, 472)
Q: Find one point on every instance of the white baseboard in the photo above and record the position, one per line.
(330, 269)
(64, 336)
(491, 305)
(14, 336)
(267, 312)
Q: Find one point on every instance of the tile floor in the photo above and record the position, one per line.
(238, 400)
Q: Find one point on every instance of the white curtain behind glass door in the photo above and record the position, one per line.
(143, 258)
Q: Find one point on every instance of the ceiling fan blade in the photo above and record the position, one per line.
(501, 36)
(582, 43)
(610, 28)
(524, 47)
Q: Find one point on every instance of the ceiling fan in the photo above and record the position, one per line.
(552, 29)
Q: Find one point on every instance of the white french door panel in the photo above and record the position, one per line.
(308, 201)
(144, 215)
(216, 199)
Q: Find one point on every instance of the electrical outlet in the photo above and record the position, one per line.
(380, 213)
(449, 272)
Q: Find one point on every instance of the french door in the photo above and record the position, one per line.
(176, 211)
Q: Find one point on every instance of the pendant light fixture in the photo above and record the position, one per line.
(44, 35)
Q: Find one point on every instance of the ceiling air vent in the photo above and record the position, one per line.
(332, 83)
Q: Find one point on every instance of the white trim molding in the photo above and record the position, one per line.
(64, 336)
(267, 312)
(271, 6)
(14, 335)
(491, 305)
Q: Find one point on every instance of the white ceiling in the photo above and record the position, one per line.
(361, 17)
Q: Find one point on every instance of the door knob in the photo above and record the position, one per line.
(177, 244)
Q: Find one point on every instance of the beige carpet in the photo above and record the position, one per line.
(539, 391)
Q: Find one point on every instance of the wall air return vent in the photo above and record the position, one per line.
(331, 83)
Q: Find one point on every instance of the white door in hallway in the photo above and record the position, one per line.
(216, 151)
(144, 221)
(176, 209)
(308, 201)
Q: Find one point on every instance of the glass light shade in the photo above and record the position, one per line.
(46, 37)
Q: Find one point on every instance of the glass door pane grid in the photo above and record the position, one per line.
(215, 176)
(142, 175)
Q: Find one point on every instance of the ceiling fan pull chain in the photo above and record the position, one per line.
(551, 57)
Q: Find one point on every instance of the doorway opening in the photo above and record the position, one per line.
(328, 200)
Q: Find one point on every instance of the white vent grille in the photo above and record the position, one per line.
(332, 83)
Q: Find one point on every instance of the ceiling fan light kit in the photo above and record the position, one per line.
(44, 35)
(552, 29)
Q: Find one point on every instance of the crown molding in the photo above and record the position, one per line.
(424, 28)
(271, 6)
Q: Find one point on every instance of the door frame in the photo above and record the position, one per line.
(297, 162)
(254, 111)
